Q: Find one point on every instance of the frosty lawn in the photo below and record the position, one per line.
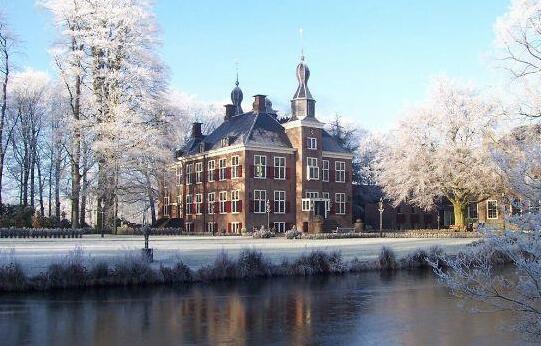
(36, 254)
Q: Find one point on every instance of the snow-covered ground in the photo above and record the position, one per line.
(36, 254)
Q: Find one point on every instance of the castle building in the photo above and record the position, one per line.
(254, 171)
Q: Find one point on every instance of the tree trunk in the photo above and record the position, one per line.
(40, 187)
(3, 112)
(150, 197)
(82, 210)
(459, 210)
(57, 189)
(76, 157)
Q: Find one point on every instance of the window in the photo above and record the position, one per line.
(166, 205)
(311, 143)
(222, 202)
(201, 148)
(279, 202)
(312, 168)
(211, 227)
(189, 227)
(222, 169)
(279, 167)
(235, 201)
(235, 173)
(189, 172)
(472, 210)
(188, 204)
(307, 203)
(280, 227)
(260, 201)
(224, 141)
(198, 202)
(210, 170)
(340, 202)
(325, 170)
(210, 203)
(340, 167)
(178, 173)
(260, 166)
(327, 196)
(492, 209)
(235, 227)
(198, 172)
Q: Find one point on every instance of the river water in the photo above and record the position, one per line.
(354, 309)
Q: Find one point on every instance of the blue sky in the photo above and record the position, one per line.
(367, 58)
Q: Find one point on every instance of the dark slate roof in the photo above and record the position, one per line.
(330, 144)
(248, 128)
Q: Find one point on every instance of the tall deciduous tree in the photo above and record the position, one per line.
(439, 151)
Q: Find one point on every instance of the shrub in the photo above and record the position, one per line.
(99, 273)
(356, 265)
(222, 268)
(252, 263)
(318, 262)
(70, 272)
(416, 259)
(293, 234)
(387, 259)
(134, 270)
(176, 274)
(12, 277)
(16, 216)
(263, 234)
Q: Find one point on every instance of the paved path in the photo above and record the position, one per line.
(36, 254)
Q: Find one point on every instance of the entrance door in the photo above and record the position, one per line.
(319, 209)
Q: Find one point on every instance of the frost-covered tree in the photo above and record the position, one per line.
(7, 125)
(439, 151)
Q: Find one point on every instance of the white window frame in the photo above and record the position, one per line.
(222, 202)
(198, 172)
(488, 209)
(189, 204)
(279, 167)
(312, 143)
(211, 166)
(327, 195)
(211, 199)
(211, 227)
(166, 204)
(307, 203)
(279, 202)
(325, 170)
(222, 169)
(340, 171)
(260, 201)
(235, 227)
(235, 163)
(279, 227)
(340, 203)
(235, 199)
(260, 166)
(189, 227)
(189, 172)
(198, 203)
(178, 172)
(312, 168)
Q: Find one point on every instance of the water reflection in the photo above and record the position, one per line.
(338, 310)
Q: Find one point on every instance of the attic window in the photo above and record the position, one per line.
(225, 141)
(201, 147)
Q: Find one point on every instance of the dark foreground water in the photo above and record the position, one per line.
(363, 309)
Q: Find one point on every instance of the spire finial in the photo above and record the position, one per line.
(301, 35)
(237, 71)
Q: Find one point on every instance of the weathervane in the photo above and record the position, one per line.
(237, 71)
(301, 35)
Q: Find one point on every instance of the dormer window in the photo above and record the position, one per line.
(311, 143)
(201, 148)
(225, 142)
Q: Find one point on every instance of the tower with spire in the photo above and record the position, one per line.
(302, 104)
(236, 97)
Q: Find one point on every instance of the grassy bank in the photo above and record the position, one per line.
(74, 271)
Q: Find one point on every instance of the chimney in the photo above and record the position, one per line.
(196, 130)
(259, 104)
(230, 111)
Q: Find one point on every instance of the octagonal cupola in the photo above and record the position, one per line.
(303, 104)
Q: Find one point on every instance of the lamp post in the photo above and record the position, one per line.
(381, 217)
(438, 217)
(268, 206)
